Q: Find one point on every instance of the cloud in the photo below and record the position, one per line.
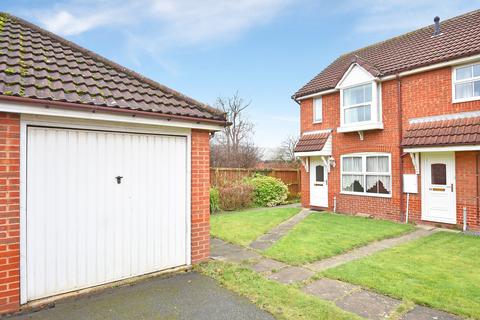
(157, 24)
(393, 16)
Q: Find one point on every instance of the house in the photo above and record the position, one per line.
(392, 130)
(104, 174)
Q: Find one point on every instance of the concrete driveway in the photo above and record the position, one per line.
(181, 296)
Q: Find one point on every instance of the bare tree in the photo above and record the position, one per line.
(286, 151)
(232, 147)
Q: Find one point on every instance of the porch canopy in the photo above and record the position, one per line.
(315, 144)
(451, 132)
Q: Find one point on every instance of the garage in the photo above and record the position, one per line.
(104, 173)
(102, 206)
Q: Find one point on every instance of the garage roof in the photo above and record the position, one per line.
(458, 38)
(36, 64)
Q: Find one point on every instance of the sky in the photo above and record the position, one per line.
(264, 49)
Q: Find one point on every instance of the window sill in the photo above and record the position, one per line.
(317, 122)
(465, 100)
(361, 127)
(365, 194)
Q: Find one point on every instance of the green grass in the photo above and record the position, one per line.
(283, 301)
(323, 235)
(242, 227)
(441, 271)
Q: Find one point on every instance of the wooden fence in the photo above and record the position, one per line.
(291, 177)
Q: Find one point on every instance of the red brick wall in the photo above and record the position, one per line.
(9, 212)
(200, 195)
(425, 94)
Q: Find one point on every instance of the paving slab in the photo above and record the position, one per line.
(266, 265)
(181, 297)
(368, 304)
(424, 313)
(367, 250)
(330, 290)
(267, 240)
(290, 275)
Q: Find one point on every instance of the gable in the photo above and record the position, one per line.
(354, 75)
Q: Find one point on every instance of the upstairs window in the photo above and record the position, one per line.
(357, 104)
(466, 83)
(317, 110)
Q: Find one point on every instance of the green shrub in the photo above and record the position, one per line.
(268, 191)
(214, 200)
(235, 196)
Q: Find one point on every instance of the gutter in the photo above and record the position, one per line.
(133, 113)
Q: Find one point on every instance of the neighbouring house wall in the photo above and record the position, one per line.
(9, 212)
(200, 195)
(424, 94)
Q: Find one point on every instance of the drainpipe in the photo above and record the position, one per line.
(400, 135)
(478, 195)
(464, 218)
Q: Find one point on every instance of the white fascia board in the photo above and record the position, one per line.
(102, 116)
(364, 127)
(318, 94)
(362, 77)
(312, 154)
(443, 149)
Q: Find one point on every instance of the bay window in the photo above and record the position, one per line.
(366, 174)
(466, 83)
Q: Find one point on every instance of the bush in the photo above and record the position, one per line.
(236, 196)
(268, 191)
(214, 200)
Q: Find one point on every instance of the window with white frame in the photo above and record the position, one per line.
(367, 174)
(357, 104)
(317, 110)
(466, 82)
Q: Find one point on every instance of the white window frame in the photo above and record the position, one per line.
(454, 82)
(315, 118)
(375, 121)
(364, 173)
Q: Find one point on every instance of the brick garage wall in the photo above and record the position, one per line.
(200, 195)
(9, 212)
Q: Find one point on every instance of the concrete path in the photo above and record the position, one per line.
(368, 304)
(181, 296)
(346, 296)
(267, 240)
(368, 250)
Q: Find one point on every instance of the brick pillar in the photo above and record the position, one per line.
(9, 212)
(200, 195)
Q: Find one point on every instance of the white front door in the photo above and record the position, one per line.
(438, 181)
(318, 182)
(102, 206)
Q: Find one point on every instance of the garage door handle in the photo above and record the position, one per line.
(119, 179)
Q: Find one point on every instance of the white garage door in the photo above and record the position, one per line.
(102, 206)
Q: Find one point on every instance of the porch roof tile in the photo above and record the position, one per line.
(312, 142)
(461, 131)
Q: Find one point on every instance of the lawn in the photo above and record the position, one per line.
(242, 227)
(283, 301)
(441, 271)
(323, 235)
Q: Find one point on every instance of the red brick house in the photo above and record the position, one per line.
(392, 130)
(104, 174)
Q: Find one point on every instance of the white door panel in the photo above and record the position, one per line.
(438, 196)
(84, 228)
(318, 182)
